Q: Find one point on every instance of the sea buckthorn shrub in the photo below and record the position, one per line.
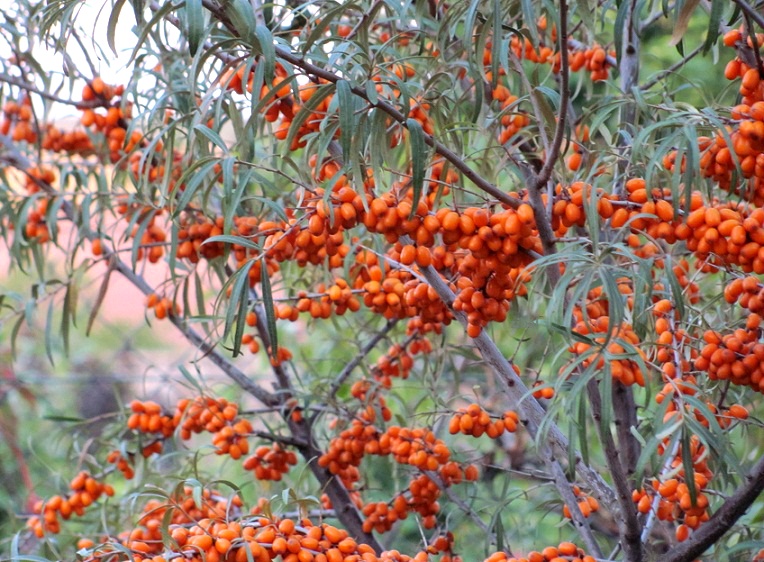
(450, 280)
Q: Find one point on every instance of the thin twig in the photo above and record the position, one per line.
(658, 77)
(562, 118)
(360, 356)
(750, 12)
(31, 88)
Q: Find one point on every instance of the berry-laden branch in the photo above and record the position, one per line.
(301, 430)
(532, 413)
(319, 72)
(518, 391)
(722, 521)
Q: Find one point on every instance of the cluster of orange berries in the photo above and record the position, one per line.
(495, 250)
(345, 452)
(284, 105)
(270, 463)
(17, 120)
(122, 463)
(511, 123)
(675, 502)
(36, 227)
(574, 160)
(749, 293)
(399, 360)
(718, 158)
(398, 292)
(147, 417)
(113, 124)
(216, 416)
(337, 299)
(610, 343)
(192, 234)
(593, 59)
(570, 207)
(19, 117)
(474, 420)
(417, 447)
(76, 141)
(671, 345)
(215, 532)
(162, 306)
(188, 520)
(420, 497)
(725, 236)
(736, 357)
(143, 221)
(564, 552)
(586, 504)
(85, 490)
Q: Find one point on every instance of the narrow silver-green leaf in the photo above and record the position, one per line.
(194, 24)
(418, 161)
(268, 307)
(346, 101)
(111, 27)
(268, 49)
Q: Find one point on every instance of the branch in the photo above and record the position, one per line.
(721, 521)
(562, 117)
(628, 522)
(671, 69)
(362, 353)
(625, 418)
(629, 72)
(30, 88)
(750, 12)
(543, 223)
(522, 399)
(456, 160)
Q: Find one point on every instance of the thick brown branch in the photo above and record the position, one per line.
(628, 523)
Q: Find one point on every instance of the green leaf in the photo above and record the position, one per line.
(687, 464)
(232, 239)
(682, 21)
(306, 110)
(67, 314)
(715, 19)
(159, 15)
(238, 306)
(111, 27)
(194, 24)
(347, 118)
(49, 332)
(242, 18)
(418, 161)
(211, 135)
(529, 19)
(268, 49)
(268, 308)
